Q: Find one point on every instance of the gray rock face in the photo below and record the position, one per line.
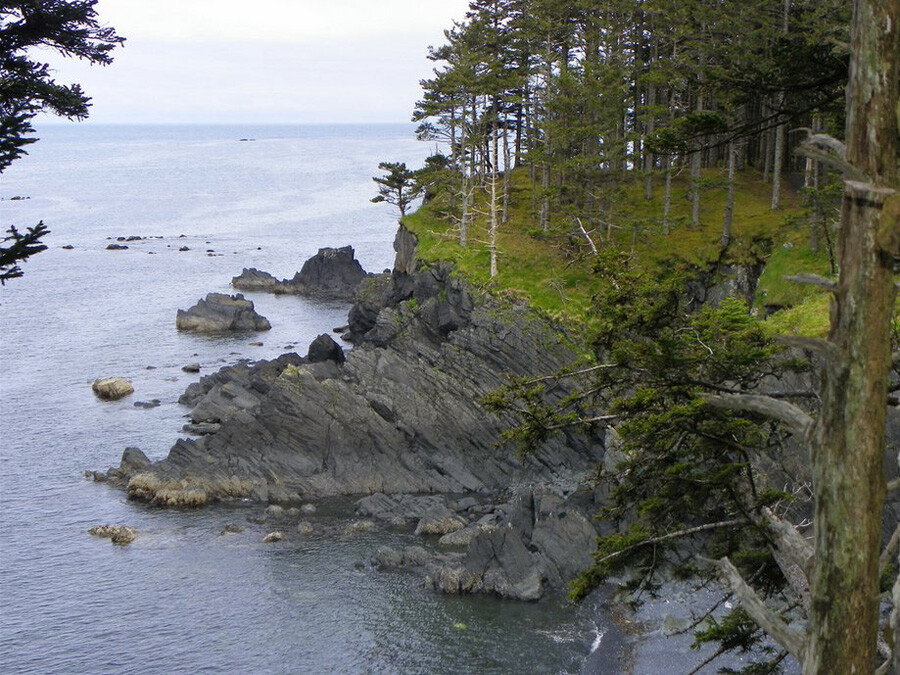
(400, 415)
(219, 313)
(333, 273)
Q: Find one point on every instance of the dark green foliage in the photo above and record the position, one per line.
(398, 186)
(20, 247)
(71, 28)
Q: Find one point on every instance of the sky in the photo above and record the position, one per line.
(266, 61)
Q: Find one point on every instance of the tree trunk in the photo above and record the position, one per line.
(667, 199)
(848, 440)
(777, 163)
(729, 200)
(495, 178)
(507, 169)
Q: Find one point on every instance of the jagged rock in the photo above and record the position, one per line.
(133, 461)
(219, 312)
(118, 534)
(112, 388)
(398, 508)
(332, 273)
(412, 556)
(324, 348)
(272, 537)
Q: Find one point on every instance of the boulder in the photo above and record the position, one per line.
(304, 528)
(232, 528)
(112, 388)
(272, 537)
(191, 368)
(324, 348)
(219, 313)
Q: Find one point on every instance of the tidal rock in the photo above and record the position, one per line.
(274, 510)
(308, 509)
(272, 537)
(304, 528)
(324, 348)
(112, 388)
(118, 534)
(232, 528)
(359, 526)
(191, 368)
(68, 247)
(147, 405)
(116, 247)
(219, 312)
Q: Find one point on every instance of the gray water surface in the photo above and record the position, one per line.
(182, 598)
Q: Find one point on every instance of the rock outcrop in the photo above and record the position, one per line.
(219, 313)
(333, 273)
(400, 415)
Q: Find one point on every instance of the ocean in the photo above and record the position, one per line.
(182, 598)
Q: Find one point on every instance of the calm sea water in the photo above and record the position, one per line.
(181, 598)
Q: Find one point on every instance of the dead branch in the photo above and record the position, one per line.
(574, 373)
(790, 639)
(587, 236)
(793, 553)
(814, 280)
(889, 551)
(673, 535)
(797, 421)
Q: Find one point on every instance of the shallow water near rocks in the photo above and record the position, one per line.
(183, 598)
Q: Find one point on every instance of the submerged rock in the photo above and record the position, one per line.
(112, 388)
(273, 537)
(219, 312)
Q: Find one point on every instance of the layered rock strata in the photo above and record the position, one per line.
(400, 415)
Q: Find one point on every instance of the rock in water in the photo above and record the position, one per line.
(273, 537)
(219, 312)
(333, 273)
(118, 534)
(112, 388)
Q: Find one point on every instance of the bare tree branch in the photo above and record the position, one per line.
(814, 280)
(792, 640)
(823, 348)
(796, 419)
(587, 236)
(889, 551)
(673, 535)
(793, 553)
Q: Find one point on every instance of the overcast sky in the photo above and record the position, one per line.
(278, 61)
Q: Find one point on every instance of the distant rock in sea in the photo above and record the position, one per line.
(333, 273)
(219, 313)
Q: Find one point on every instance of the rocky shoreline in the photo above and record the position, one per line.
(397, 423)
